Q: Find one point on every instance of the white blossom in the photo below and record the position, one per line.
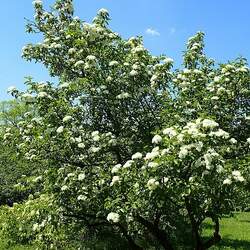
(168, 60)
(94, 149)
(215, 98)
(81, 177)
(123, 95)
(113, 63)
(64, 188)
(37, 2)
(233, 141)
(152, 184)
(133, 73)
(183, 152)
(153, 164)
(206, 123)
(64, 85)
(96, 138)
(95, 133)
(11, 89)
(35, 227)
(90, 58)
(128, 163)
(208, 160)
(165, 151)
(113, 217)
(227, 181)
(156, 139)
(27, 96)
(217, 79)
(220, 133)
(137, 155)
(151, 155)
(81, 145)
(237, 176)
(115, 179)
(82, 197)
(42, 94)
(79, 63)
(78, 139)
(170, 132)
(72, 50)
(60, 130)
(37, 179)
(103, 11)
(180, 137)
(219, 169)
(67, 118)
(109, 79)
(116, 168)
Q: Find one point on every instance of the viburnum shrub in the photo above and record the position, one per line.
(95, 130)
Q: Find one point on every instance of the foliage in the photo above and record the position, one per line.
(15, 175)
(94, 131)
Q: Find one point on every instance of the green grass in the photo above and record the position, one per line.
(4, 246)
(235, 232)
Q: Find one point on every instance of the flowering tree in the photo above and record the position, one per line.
(94, 131)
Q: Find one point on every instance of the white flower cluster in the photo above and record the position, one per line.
(116, 168)
(237, 176)
(37, 3)
(81, 176)
(67, 118)
(136, 156)
(103, 11)
(171, 132)
(206, 123)
(220, 133)
(113, 63)
(113, 217)
(152, 184)
(123, 95)
(115, 179)
(153, 154)
(156, 139)
(11, 89)
(128, 164)
(60, 129)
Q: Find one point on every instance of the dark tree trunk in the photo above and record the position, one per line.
(216, 237)
(159, 234)
(131, 242)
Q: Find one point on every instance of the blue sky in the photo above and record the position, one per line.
(164, 24)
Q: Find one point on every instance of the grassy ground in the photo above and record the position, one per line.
(4, 246)
(235, 232)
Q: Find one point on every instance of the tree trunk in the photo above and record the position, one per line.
(159, 234)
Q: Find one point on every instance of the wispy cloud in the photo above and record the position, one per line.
(152, 32)
(172, 30)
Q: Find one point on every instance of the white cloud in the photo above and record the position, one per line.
(152, 32)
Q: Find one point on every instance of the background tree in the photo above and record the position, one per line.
(15, 170)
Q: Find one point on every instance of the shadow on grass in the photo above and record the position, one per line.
(246, 221)
(233, 244)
